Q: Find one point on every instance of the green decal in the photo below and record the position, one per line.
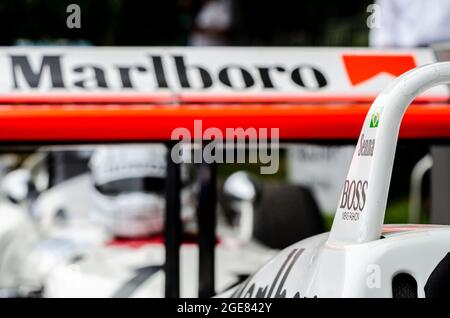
(375, 119)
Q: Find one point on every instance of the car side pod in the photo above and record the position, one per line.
(360, 257)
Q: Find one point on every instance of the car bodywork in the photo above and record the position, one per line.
(72, 256)
(358, 259)
(313, 268)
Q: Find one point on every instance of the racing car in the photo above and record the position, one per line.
(98, 232)
(361, 257)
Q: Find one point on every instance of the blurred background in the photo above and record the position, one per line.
(174, 22)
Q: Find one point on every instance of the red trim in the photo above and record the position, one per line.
(161, 98)
(188, 239)
(294, 98)
(387, 228)
(85, 123)
(85, 98)
(135, 243)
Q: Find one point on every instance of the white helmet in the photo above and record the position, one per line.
(129, 185)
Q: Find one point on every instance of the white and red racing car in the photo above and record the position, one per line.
(361, 257)
(98, 234)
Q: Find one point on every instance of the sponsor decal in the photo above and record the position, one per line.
(353, 199)
(366, 146)
(362, 67)
(237, 77)
(276, 288)
(210, 74)
(375, 118)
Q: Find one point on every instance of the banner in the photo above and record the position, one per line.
(153, 74)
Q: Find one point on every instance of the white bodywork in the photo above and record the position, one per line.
(313, 268)
(354, 259)
(126, 271)
(76, 257)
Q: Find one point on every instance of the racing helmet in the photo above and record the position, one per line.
(129, 189)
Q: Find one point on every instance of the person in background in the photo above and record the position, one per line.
(128, 189)
(410, 23)
(212, 24)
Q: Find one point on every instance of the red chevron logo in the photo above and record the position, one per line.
(360, 68)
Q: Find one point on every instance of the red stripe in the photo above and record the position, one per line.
(188, 239)
(84, 123)
(198, 98)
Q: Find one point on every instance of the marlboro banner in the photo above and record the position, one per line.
(152, 74)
